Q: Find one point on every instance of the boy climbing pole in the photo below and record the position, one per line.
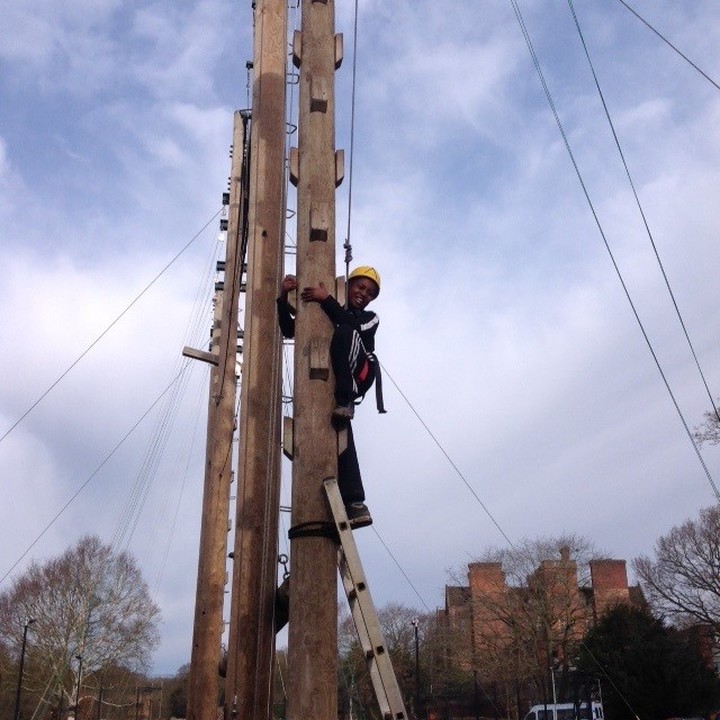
(354, 365)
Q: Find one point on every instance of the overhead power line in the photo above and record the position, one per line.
(588, 199)
(657, 256)
(640, 207)
(62, 376)
(105, 460)
(665, 40)
(549, 98)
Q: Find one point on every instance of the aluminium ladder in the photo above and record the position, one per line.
(364, 613)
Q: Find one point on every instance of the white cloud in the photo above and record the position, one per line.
(60, 45)
(11, 185)
(503, 321)
(183, 47)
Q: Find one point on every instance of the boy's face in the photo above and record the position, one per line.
(361, 291)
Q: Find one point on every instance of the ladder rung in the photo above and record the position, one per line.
(364, 613)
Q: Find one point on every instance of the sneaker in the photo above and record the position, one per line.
(358, 515)
(344, 413)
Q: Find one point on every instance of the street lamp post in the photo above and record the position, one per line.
(77, 691)
(475, 695)
(22, 667)
(415, 624)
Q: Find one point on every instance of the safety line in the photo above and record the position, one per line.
(348, 244)
(399, 566)
(449, 459)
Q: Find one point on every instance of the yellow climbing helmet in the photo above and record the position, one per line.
(367, 272)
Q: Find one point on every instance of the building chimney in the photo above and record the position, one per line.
(609, 583)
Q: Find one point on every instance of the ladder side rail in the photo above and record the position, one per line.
(367, 614)
(376, 652)
(364, 638)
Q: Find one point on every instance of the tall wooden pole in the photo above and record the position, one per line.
(252, 633)
(312, 640)
(208, 626)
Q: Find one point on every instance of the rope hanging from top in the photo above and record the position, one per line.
(347, 244)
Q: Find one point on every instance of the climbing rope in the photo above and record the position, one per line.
(347, 244)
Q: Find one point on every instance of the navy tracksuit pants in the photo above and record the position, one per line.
(354, 375)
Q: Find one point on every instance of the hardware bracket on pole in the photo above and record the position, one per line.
(208, 357)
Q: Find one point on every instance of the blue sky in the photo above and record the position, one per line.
(502, 319)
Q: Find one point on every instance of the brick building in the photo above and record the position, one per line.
(508, 635)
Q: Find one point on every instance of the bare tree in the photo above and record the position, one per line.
(91, 609)
(709, 431)
(528, 614)
(683, 581)
(521, 560)
(396, 623)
